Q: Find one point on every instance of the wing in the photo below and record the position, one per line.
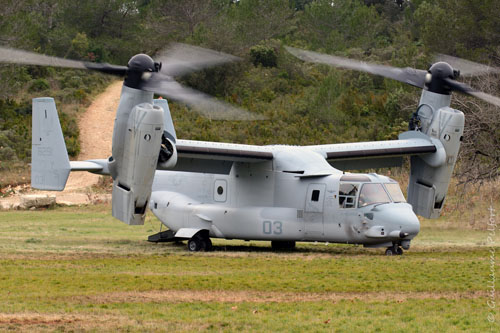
(376, 154)
(217, 157)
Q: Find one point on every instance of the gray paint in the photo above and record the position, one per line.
(49, 163)
(292, 217)
(430, 175)
(168, 124)
(132, 186)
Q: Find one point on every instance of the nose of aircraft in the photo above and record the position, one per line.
(398, 219)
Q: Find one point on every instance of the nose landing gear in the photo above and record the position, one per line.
(394, 250)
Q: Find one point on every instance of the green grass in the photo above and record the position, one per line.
(343, 316)
(79, 269)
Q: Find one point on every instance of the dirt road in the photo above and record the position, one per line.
(96, 130)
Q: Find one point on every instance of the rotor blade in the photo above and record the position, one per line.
(106, 68)
(414, 77)
(466, 89)
(8, 55)
(180, 59)
(29, 58)
(466, 67)
(204, 104)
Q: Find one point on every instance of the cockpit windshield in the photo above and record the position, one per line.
(372, 194)
(395, 192)
(369, 194)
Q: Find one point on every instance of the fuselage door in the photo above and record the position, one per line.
(220, 190)
(313, 212)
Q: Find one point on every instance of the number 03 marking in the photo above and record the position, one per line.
(275, 228)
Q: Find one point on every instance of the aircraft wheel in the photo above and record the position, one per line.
(195, 244)
(399, 251)
(207, 245)
(282, 245)
(389, 251)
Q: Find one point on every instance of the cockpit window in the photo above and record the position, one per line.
(347, 195)
(395, 192)
(372, 194)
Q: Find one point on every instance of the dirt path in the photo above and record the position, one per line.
(96, 130)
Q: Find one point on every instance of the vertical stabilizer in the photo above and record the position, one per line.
(50, 165)
(168, 124)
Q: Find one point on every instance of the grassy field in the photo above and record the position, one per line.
(74, 269)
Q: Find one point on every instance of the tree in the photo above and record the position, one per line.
(339, 25)
(468, 29)
(178, 20)
(479, 158)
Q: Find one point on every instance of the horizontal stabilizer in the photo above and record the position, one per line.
(95, 166)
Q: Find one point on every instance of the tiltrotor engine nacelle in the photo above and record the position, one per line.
(133, 177)
(430, 174)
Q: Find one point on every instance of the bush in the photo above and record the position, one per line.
(80, 46)
(39, 85)
(71, 133)
(7, 155)
(80, 95)
(72, 81)
(264, 55)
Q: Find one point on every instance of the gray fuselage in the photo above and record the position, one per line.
(256, 202)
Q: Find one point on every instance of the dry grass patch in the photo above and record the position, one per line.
(62, 321)
(190, 296)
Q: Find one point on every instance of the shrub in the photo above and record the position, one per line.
(7, 155)
(39, 85)
(80, 95)
(73, 81)
(264, 55)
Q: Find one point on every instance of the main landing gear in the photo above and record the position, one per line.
(282, 245)
(199, 243)
(394, 250)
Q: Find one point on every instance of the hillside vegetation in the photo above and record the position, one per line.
(304, 103)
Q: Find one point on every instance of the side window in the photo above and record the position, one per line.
(220, 190)
(347, 195)
(315, 195)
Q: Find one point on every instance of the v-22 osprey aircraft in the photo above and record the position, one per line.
(283, 194)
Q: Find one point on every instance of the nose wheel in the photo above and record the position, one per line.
(394, 250)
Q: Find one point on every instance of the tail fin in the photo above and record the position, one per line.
(50, 165)
(168, 125)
